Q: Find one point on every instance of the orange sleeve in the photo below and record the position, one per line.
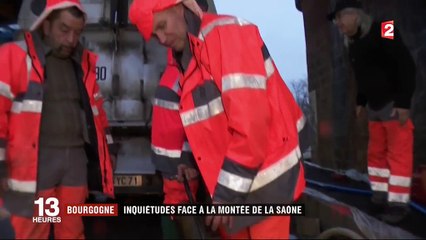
(7, 94)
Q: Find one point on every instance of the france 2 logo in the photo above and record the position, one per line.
(388, 30)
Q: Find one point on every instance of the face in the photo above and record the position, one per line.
(347, 21)
(63, 33)
(170, 28)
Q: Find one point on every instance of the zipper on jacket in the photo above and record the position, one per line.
(39, 127)
(104, 178)
(88, 70)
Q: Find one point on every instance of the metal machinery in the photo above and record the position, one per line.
(128, 71)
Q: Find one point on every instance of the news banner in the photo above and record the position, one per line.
(51, 210)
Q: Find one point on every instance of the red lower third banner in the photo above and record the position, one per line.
(92, 210)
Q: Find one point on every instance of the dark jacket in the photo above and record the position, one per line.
(384, 69)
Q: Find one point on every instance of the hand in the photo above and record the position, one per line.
(113, 162)
(215, 221)
(360, 110)
(189, 172)
(403, 115)
(3, 186)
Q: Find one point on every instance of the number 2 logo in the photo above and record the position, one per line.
(388, 30)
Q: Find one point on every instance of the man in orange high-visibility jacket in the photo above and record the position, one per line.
(240, 118)
(53, 130)
(171, 153)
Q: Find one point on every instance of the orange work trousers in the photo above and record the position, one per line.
(175, 192)
(390, 159)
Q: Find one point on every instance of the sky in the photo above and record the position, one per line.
(281, 27)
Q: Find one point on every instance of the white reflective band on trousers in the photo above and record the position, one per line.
(400, 181)
(379, 172)
(379, 186)
(398, 197)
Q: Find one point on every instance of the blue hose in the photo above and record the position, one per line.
(339, 188)
(418, 207)
(414, 205)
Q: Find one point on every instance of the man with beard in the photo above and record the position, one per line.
(53, 130)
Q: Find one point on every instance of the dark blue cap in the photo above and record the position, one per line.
(342, 4)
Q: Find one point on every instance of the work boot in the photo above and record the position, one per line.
(395, 213)
(378, 203)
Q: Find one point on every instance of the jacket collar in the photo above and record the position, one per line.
(194, 24)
